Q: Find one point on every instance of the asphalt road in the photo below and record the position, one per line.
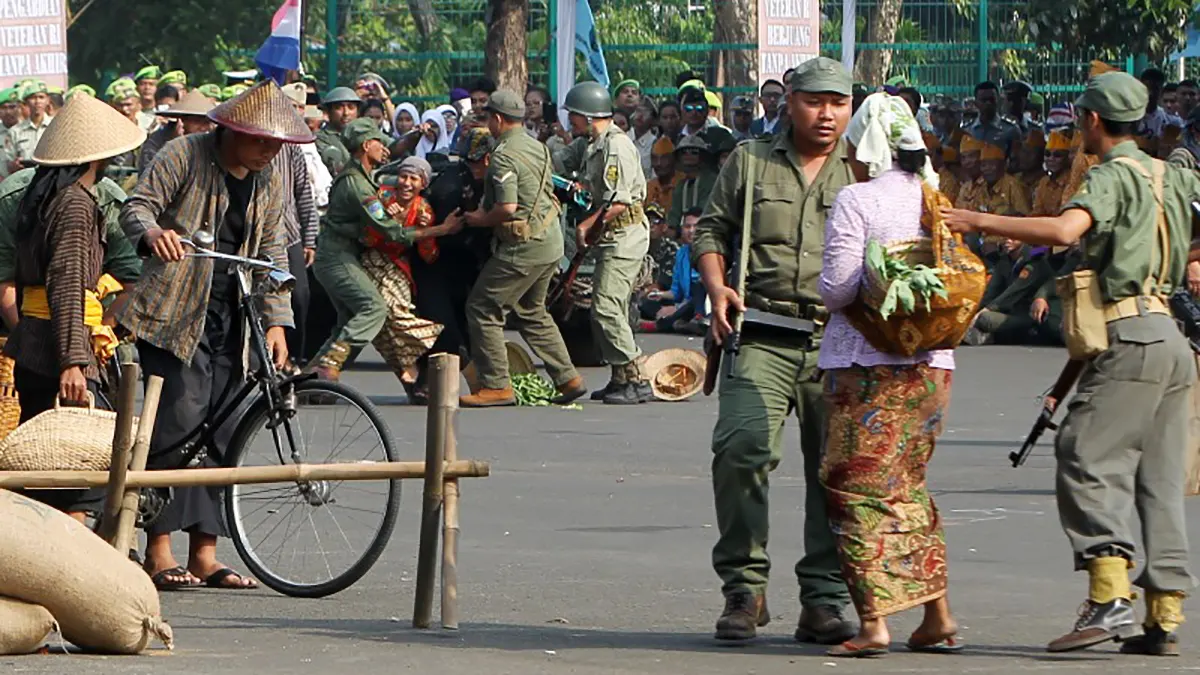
(587, 551)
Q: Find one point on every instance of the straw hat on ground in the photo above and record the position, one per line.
(265, 112)
(85, 130)
(193, 104)
(675, 374)
(520, 361)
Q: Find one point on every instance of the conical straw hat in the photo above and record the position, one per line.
(193, 104)
(675, 374)
(263, 111)
(85, 130)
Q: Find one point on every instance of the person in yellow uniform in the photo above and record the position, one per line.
(1048, 195)
(972, 180)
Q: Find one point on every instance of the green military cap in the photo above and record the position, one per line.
(362, 130)
(212, 91)
(9, 96)
(174, 77)
(148, 73)
(52, 89)
(822, 75)
(84, 89)
(476, 144)
(626, 83)
(32, 87)
(506, 102)
(120, 90)
(1115, 96)
(340, 95)
(743, 104)
(232, 91)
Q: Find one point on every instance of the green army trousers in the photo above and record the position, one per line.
(1124, 445)
(502, 287)
(771, 377)
(618, 262)
(361, 311)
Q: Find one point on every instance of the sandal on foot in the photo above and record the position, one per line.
(217, 580)
(162, 583)
(849, 650)
(944, 645)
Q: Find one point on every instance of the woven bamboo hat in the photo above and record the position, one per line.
(85, 130)
(193, 104)
(675, 374)
(520, 362)
(265, 112)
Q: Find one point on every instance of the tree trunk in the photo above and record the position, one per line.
(505, 61)
(872, 65)
(736, 22)
(424, 16)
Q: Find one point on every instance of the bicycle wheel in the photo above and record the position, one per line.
(313, 539)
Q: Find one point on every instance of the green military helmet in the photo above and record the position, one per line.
(720, 140)
(340, 95)
(589, 99)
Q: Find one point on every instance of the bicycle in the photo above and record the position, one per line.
(282, 401)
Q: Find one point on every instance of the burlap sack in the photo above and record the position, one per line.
(23, 627)
(103, 601)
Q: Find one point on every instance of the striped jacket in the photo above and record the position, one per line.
(184, 190)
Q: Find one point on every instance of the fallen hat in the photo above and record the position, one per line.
(360, 131)
(675, 374)
(148, 73)
(519, 360)
(297, 91)
(1115, 96)
(86, 130)
(506, 102)
(193, 104)
(263, 111)
(822, 75)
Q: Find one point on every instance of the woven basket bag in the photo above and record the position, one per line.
(62, 439)
(10, 406)
(943, 325)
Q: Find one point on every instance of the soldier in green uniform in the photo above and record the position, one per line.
(10, 116)
(26, 134)
(794, 179)
(696, 161)
(353, 207)
(520, 207)
(120, 260)
(342, 107)
(1124, 442)
(1008, 315)
(613, 174)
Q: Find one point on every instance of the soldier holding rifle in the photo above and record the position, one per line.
(786, 183)
(1124, 442)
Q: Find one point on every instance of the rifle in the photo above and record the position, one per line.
(737, 275)
(1187, 313)
(562, 288)
(1062, 386)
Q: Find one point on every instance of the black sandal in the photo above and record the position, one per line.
(217, 580)
(162, 583)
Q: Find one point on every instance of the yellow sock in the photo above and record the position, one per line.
(1164, 609)
(1108, 579)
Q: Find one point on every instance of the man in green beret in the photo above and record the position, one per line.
(177, 79)
(146, 80)
(791, 178)
(10, 116)
(28, 132)
(519, 207)
(626, 96)
(1124, 443)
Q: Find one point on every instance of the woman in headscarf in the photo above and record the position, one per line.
(885, 410)
(406, 119)
(405, 336)
(451, 116)
(62, 341)
(435, 138)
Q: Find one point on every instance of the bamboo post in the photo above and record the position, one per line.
(127, 516)
(431, 504)
(122, 448)
(244, 475)
(450, 506)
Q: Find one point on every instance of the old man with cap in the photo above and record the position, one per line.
(61, 342)
(520, 208)
(185, 312)
(791, 179)
(1124, 443)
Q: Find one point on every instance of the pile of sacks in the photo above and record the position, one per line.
(56, 574)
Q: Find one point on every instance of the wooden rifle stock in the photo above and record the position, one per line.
(1062, 386)
(562, 288)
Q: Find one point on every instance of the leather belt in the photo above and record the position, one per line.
(795, 310)
(1140, 305)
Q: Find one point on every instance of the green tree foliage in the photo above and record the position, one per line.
(1111, 27)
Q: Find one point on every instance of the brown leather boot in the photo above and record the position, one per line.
(744, 612)
(570, 390)
(489, 398)
(824, 624)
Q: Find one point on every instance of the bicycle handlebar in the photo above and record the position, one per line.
(280, 277)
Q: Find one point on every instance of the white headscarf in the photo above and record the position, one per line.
(442, 144)
(884, 125)
(412, 112)
(448, 109)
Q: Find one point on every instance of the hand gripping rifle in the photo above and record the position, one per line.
(1066, 379)
(737, 279)
(562, 288)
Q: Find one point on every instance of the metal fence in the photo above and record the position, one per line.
(940, 46)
